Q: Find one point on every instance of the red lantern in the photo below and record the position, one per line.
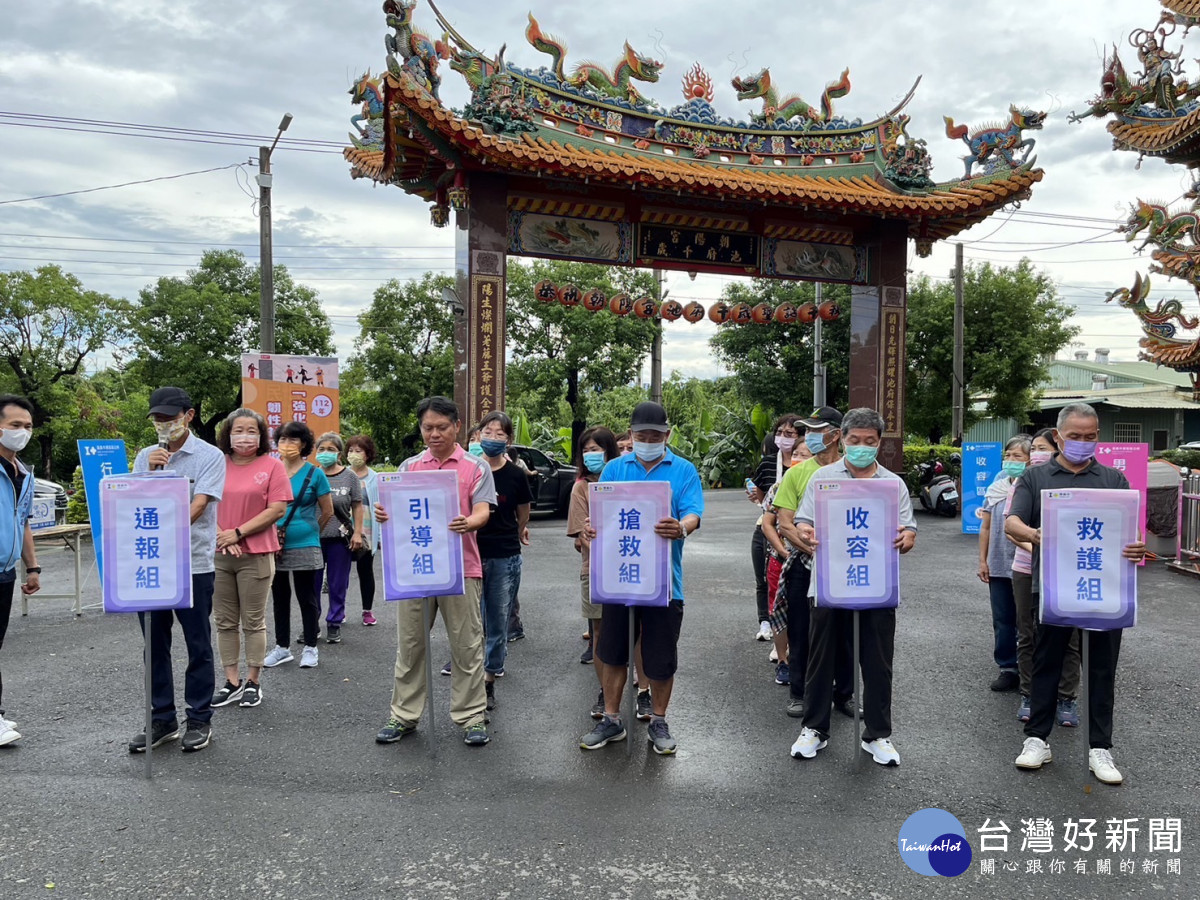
(786, 313)
(829, 311)
(621, 304)
(671, 310)
(719, 312)
(645, 308)
(762, 313)
(568, 295)
(594, 300)
(546, 291)
(740, 314)
(693, 312)
(807, 313)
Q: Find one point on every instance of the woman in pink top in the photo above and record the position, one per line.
(257, 492)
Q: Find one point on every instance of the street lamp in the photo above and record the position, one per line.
(266, 260)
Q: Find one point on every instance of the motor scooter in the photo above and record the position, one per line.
(937, 491)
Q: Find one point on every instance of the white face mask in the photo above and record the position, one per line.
(15, 439)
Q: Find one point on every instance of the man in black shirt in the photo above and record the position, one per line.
(1073, 468)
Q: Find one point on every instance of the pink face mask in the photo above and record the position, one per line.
(244, 444)
(1040, 457)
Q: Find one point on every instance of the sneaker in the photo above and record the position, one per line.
(782, 674)
(764, 631)
(645, 708)
(476, 735)
(446, 668)
(8, 734)
(9, 722)
(162, 731)
(773, 656)
(1006, 681)
(231, 693)
(882, 751)
(1101, 763)
(795, 707)
(1067, 714)
(808, 744)
(1034, 754)
(660, 736)
(394, 730)
(278, 656)
(489, 689)
(588, 657)
(309, 658)
(1023, 709)
(333, 634)
(606, 730)
(598, 707)
(369, 618)
(846, 708)
(197, 737)
(500, 674)
(252, 695)
(516, 636)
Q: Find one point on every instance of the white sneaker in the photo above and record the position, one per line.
(1101, 763)
(882, 751)
(1034, 754)
(278, 656)
(308, 658)
(774, 657)
(9, 722)
(8, 734)
(764, 631)
(808, 744)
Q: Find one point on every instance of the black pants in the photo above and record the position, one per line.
(365, 566)
(6, 598)
(758, 557)
(199, 677)
(876, 647)
(308, 595)
(799, 612)
(1103, 649)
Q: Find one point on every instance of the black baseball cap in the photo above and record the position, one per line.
(649, 416)
(823, 417)
(169, 401)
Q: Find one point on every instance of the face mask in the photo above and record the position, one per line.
(357, 460)
(1040, 457)
(15, 439)
(289, 451)
(785, 445)
(475, 448)
(493, 448)
(594, 461)
(244, 444)
(169, 432)
(1079, 451)
(327, 459)
(649, 452)
(815, 441)
(861, 456)
(625, 452)
(1014, 469)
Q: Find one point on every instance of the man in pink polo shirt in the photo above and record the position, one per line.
(438, 418)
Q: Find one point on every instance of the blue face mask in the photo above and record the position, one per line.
(475, 448)
(649, 452)
(594, 461)
(815, 441)
(327, 459)
(493, 448)
(861, 456)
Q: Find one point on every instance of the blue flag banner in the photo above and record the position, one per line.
(981, 465)
(99, 459)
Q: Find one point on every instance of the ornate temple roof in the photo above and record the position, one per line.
(594, 128)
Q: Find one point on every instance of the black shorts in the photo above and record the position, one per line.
(658, 627)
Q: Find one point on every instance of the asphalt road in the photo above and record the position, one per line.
(294, 798)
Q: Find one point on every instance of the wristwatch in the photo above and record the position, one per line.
(33, 570)
(238, 532)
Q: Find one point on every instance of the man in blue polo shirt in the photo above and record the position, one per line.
(651, 460)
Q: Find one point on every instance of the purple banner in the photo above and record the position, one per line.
(631, 565)
(147, 539)
(857, 563)
(1086, 582)
(422, 557)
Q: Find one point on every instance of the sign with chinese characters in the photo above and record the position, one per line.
(42, 516)
(96, 460)
(698, 246)
(631, 565)
(891, 370)
(286, 389)
(858, 564)
(1133, 461)
(486, 346)
(422, 557)
(981, 465)
(147, 542)
(1086, 582)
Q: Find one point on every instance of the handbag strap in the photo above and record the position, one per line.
(296, 503)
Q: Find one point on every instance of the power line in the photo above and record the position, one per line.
(109, 187)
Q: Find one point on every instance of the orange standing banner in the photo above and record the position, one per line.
(292, 389)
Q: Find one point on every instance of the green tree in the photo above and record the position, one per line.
(51, 326)
(1015, 324)
(567, 353)
(404, 352)
(109, 404)
(191, 331)
(773, 363)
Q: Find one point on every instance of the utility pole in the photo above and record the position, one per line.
(818, 363)
(957, 426)
(656, 347)
(266, 258)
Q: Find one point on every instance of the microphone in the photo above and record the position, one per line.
(162, 445)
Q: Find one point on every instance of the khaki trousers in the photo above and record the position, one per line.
(464, 628)
(243, 584)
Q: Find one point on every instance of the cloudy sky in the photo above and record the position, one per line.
(235, 67)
